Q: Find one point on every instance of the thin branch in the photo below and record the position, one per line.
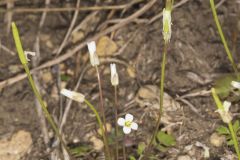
(72, 52)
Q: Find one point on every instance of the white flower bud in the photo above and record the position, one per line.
(93, 55)
(114, 75)
(73, 95)
(235, 84)
(224, 113)
(167, 22)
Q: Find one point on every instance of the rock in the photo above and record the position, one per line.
(217, 140)
(16, 147)
(97, 143)
(148, 95)
(131, 71)
(106, 46)
(47, 77)
(77, 36)
(184, 157)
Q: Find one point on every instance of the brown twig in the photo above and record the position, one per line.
(6, 49)
(35, 62)
(8, 15)
(116, 118)
(36, 10)
(70, 53)
(69, 29)
(4, 2)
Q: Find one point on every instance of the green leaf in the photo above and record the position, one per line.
(236, 126)
(166, 139)
(161, 148)
(132, 157)
(80, 150)
(223, 130)
(64, 77)
(141, 147)
(223, 85)
(18, 44)
(230, 142)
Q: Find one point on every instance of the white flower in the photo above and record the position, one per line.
(114, 75)
(167, 22)
(235, 84)
(127, 123)
(224, 112)
(73, 95)
(93, 55)
(29, 53)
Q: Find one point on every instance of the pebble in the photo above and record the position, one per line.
(184, 157)
(217, 140)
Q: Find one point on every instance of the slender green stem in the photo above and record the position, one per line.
(230, 126)
(24, 62)
(102, 110)
(101, 127)
(101, 97)
(234, 138)
(163, 64)
(229, 54)
(116, 118)
(124, 148)
(161, 94)
(44, 108)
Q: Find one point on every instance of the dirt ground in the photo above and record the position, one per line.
(196, 57)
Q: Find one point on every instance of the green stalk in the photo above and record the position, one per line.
(234, 138)
(24, 62)
(116, 118)
(44, 108)
(101, 127)
(229, 54)
(230, 126)
(163, 64)
(161, 94)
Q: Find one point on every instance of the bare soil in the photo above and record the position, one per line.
(196, 57)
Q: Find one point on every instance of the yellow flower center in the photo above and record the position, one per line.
(128, 123)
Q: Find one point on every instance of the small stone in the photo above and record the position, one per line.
(47, 77)
(16, 147)
(184, 157)
(77, 36)
(131, 71)
(217, 140)
(97, 143)
(106, 46)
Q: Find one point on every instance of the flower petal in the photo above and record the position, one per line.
(91, 47)
(129, 117)
(226, 105)
(73, 95)
(121, 121)
(134, 126)
(235, 84)
(126, 130)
